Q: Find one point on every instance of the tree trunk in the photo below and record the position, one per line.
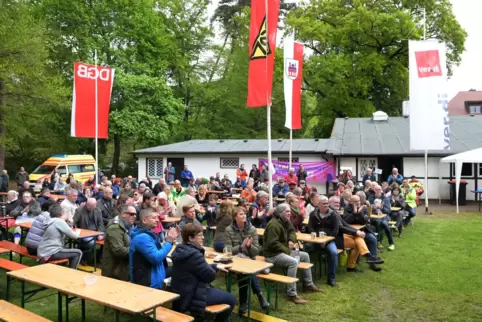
(3, 127)
(116, 157)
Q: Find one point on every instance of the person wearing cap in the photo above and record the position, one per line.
(115, 263)
(280, 189)
(292, 186)
(291, 177)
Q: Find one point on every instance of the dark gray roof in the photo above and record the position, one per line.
(363, 136)
(312, 146)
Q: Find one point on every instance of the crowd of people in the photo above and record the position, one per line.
(137, 242)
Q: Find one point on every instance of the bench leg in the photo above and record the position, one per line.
(116, 318)
(249, 298)
(67, 308)
(22, 298)
(228, 284)
(7, 296)
(95, 256)
(59, 307)
(83, 309)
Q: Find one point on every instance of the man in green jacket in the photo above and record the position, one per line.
(115, 263)
(280, 248)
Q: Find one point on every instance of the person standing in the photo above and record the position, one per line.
(186, 177)
(255, 174)
(21, 177)
(106, 204)
(169, 173)
(241, 172)
(302, 174)
(115, 263)
(4, 181)
(147, 257)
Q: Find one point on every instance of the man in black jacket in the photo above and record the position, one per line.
(88, 217)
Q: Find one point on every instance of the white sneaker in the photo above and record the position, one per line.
(391, 247)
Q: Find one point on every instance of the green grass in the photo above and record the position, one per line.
(434, 274)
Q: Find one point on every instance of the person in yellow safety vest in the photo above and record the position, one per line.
(418, 186)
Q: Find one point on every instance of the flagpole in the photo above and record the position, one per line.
(268, 111)
(97, 179)
(426, 151)
(291, 145)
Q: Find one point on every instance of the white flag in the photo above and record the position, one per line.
(429, 120)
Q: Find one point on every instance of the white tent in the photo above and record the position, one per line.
(472, 156)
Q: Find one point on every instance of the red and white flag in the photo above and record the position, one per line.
(293, 67)
(83, 103)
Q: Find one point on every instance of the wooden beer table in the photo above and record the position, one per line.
(118, 295)
(304, 237)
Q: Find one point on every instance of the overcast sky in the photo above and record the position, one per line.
(469, 74)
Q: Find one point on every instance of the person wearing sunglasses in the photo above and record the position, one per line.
(115, 263)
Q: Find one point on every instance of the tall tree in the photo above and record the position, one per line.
(30, 96)
(129, 36)
(360, 52)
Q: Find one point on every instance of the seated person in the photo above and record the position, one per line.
(249, 194)
(177, 191)
(189, 217)
(396, 200)
(89, 217)
(60, 185)
(36, 232)
(291, 177)
(106, 204)
(312, 203)
(240, 184)
(280, 189)
(260, 213)
(226, 184)
(187, 199)
(381, 205)
(241, 236)
(210, 212)
(28, 209)
(357, 214)
(44, 196)
(279, 245)
(292, 187)
(340, 189)
(115, 263)
(52, 245)
(224, 219)
(191, 276)
(298, 215)
(305, 189)
(202, 197)
(345, 198)
(410, 195)
(25, 187)
(12, 203)
(147, 257)
(326, 220)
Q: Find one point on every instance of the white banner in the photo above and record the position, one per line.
(429, 118)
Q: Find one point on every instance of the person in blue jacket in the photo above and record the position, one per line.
(280, 189)
(186, 177)
(395, 177)
(147, 257)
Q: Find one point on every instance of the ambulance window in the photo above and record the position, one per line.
(74, 168)
(62, 170)
(87, 168)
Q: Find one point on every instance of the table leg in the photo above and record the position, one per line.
(249, 297)
(95, 256)
(83, 309)
(116, 317)
(22, 299)
(59, 307)
(228, 283)
(7, 296)
(154, 319)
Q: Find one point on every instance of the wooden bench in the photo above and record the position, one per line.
(301, 265)
(100, 242)
(166, 315)
(13, 313)
(10, 266)
(3, 250)
(216, 309)
(273, 281)
(22, 251)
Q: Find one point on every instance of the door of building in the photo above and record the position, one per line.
(178, 164)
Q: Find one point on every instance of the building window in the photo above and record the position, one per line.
(154, 168)
(474, 109)
(364, 164)
(288, 160)
(466, 170)
(229, 163)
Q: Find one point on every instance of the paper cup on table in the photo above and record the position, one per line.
(90, 279)
(78, 231)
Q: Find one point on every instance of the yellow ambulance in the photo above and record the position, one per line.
(80, 166)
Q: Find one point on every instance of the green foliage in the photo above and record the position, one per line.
(360, 52)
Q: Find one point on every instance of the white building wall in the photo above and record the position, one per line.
(207, 165)
(347, 163)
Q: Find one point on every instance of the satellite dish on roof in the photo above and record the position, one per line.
(380, 116)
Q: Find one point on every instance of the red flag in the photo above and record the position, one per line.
(293, 53)
(83, 103)
(262, 49)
